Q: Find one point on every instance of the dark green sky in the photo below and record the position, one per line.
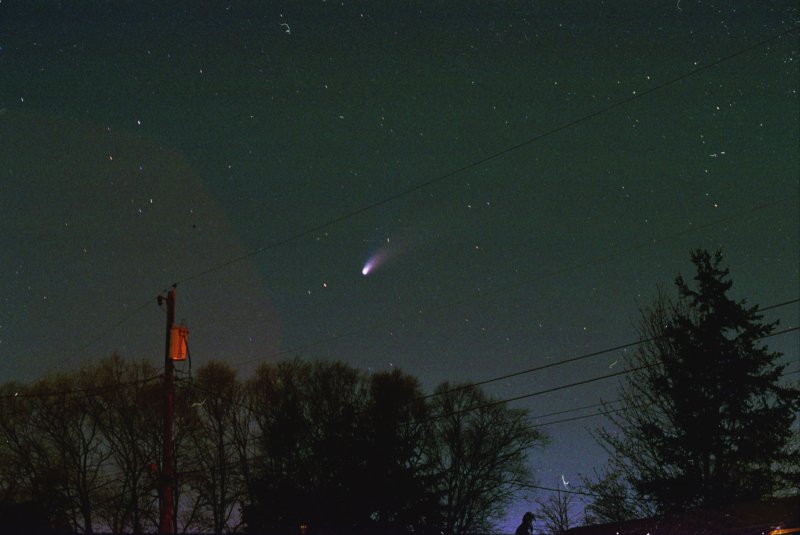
(142, 143)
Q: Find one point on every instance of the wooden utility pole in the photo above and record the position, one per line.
(165, 524)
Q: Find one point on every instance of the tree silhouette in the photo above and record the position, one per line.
(402, 496)
(556, 511)
(319, 444)
(480, 453)
(79, 445)
(707, 419)
(312, 448)
(129, 419)
(615, 500)
(347, 453)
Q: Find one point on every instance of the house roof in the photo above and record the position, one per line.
(739, 519)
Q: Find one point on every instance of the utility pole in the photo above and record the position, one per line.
(165, 524)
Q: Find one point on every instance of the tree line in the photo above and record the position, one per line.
(705, 418)
(319, 446)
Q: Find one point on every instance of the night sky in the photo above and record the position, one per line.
(210, 143)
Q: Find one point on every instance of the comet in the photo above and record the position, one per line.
(385, 252)
(369, 266)
(374, 262)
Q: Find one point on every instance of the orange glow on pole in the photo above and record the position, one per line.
(178, 342)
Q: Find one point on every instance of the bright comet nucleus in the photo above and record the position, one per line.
(367, 267)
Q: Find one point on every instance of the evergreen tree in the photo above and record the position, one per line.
(708, 418)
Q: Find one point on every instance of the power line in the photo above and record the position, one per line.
(612, 411)
(542, 367)
(88, 390)
(574, 409)
(575, 418)
(564, 387)
(60, 395)
(537, 393)
(589, 355)
(582, 493)
(103, 333)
